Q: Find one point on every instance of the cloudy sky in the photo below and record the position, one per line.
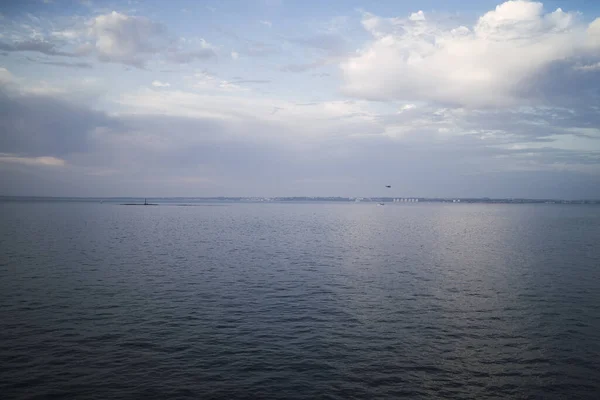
(290, 97)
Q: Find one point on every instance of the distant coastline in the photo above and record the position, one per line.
(401, 200)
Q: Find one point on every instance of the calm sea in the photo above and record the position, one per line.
(316, 300)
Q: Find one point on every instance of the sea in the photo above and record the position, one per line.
(293, 300)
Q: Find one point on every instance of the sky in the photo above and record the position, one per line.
(300, 98)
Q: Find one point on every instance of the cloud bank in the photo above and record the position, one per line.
(113, 38)
(506, 106)
(494, 63)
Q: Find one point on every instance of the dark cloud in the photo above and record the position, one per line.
(462, 166)
(38, 46)
(81, 65)
(46, 126)
(165, 155)
(302, 67)
(19, 180)
(562, 84)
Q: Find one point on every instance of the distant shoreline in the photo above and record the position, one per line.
(136, 201)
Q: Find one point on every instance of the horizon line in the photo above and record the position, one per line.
(305, 197)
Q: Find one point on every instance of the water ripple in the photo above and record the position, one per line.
(299, 301)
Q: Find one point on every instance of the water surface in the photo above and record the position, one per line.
(315, 300)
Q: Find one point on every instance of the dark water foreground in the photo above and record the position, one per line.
(333, 301)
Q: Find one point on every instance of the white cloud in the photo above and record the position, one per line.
(489, 64)
(208, 82)
(202, 51)
(120, 38)
(5, 76)
(77, 90)
(418, 16)
(589, 68)
(69, 34)
(43, 88)
(266, 23)
(160, 84)
(594, 33)
(35, 161)
(331, 118)
(125, 39)
(235, 55)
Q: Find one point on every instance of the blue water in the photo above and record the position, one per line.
(320, 300)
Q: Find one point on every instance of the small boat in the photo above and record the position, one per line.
(381, 204)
